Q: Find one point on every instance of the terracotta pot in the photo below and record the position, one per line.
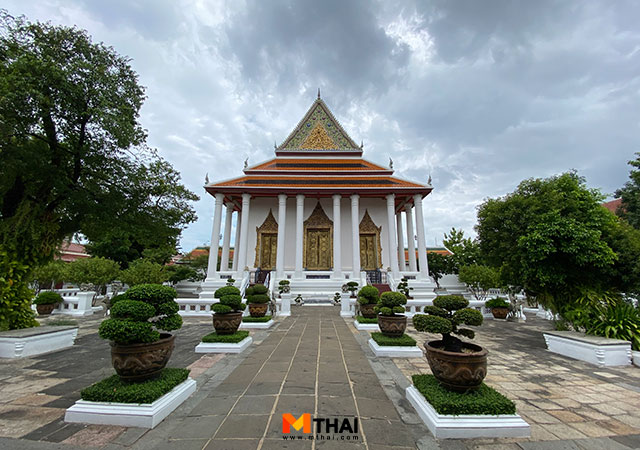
(258, 309)
(227, 323)
(45, 309)
(500, 313)
(139, 362)
(457, 371)
(367, 311)
(392, 326)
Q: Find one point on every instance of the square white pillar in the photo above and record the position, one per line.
(299, 231)
(337, 257)
(355, 236)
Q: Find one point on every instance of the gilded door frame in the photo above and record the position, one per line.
(269, 226)
(318, 220)
(367, 226)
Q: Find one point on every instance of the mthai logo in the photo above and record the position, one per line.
(304, 422)
(324, 428)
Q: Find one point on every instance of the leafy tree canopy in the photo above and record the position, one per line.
(465, 250)
(630, 195)
(549, 236)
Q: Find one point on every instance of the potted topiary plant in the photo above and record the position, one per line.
(284, 287)
(391, 318)
(403, 287)
(367, 299)
(458, 365)
(228, 312)
(138, 350)
(230, 281)
(46, 302)
(257, 299)
(499, 307)
(352, 286)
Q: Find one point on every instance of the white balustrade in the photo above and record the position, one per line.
(195, 307)
(76, 303)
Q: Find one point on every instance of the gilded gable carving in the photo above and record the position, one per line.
(318, 139)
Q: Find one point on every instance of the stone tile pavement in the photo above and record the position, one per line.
(317, 362)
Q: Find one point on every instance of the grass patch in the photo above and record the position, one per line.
(361, 319)
(113, 389)
(61, 322)
(226, 338)
(403, 341)
(484, 401)
(250, 319)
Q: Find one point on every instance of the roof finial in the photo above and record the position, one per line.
(361, 144)
(246, 163)
(318, 93)
(429, 180)
(390, 163)
(206, 178)
(275, 145)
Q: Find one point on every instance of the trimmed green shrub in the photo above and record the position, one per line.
(47, 298)
(116, 298)
(257, 289)
(258, 298)
(138, 314)
(250, 319)
(448, 312)
(226, 290)
(484, 401)
(497, 302)
(229, 303)
(368, 295)
(113, 389)
(403, 341)
(390, 304)
(361, 319)
(226, 338)
(352, 286)
(403, 286)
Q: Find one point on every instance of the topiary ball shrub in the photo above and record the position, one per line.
(258, 298)
(226, 290)
(47, 298)
(138, 314)
(229, 303)
(497, 302)
(368, 295)
(444, 317)
(116, 298)
(391, 303)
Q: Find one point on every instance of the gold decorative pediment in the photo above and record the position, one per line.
(318, 219)
(318, 139)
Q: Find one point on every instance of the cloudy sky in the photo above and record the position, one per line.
(478, 94)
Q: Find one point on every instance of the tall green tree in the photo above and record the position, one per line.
(630, 195)
(465, 250)
(71, 147)
(549, 236)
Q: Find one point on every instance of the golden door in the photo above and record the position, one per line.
(268, 251)
(368, 252)
(318, 250)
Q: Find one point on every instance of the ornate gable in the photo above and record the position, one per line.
(319, 130)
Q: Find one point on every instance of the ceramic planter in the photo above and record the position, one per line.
(457, 371)
(367, 311)
(139, 362)
(46, 308)
(500, 313)
(392, 326)
(227, 323)
(258, 309)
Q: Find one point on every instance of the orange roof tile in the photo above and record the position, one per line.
(320, 165)
(318, 182)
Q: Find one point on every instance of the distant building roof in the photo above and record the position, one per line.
(70, 251)
(613, 205)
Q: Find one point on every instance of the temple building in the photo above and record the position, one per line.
(319, 215)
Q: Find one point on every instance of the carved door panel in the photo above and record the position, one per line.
(368, 252)
(318, 250)
(268, 251)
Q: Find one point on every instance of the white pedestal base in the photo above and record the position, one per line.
(223, 347)
(466, 426)
(366, 326)
(256, 325)
(143, 415)
(395, 351)
(636, 358)
(592, 349)
(36, 341)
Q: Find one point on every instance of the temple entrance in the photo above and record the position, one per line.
(267, 243)
(370, 251)
(318, 241)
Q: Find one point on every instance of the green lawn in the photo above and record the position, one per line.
(403, 341)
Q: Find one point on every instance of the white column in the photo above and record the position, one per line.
(402, 265)
(236, 243)
(299, 230)
(215, 237)
(422, 246)
(355, 236)
(244, 235)
(411, 242)
(282, 214)
(226, 240)
(391, 232)
(337, 256)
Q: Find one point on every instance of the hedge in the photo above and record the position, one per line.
(250, 319)
(113, 389)
(47, 298)
(361, 319)
(484, 401)
(404, 341)
(226, 338)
